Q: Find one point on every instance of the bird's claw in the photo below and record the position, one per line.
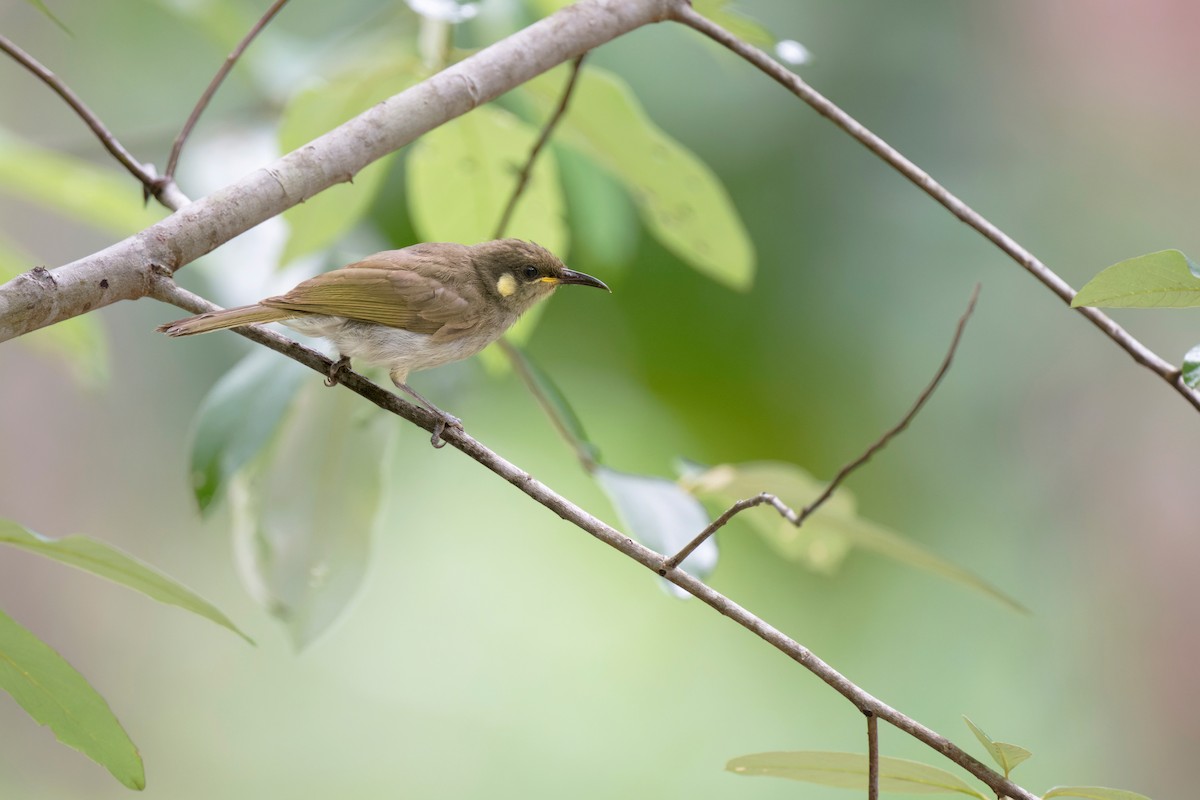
(439, 427)
(333, 377)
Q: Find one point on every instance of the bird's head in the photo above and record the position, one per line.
(520, 273)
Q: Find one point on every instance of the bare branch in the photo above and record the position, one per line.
(335, 157)
(164, 190)
(547, 129)
(872, 756)
(214, 84)
(786, 511)
(825, 107)
(165, 289)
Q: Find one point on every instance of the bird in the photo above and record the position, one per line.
(410, 309)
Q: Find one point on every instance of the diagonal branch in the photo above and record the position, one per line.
(163, 288)
(923, 181)
(214, 84)
(787, 512)
(164, 190)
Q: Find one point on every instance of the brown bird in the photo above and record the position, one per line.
(411, 309)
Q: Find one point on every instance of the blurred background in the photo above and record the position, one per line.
(493, 650)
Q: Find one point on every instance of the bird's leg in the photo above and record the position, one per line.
(444, 420)
(332, 378)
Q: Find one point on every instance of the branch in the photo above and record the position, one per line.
(164, 190)
(214, 84)
(786, 511)
(164, 288)
(126, 270)
(923, 181)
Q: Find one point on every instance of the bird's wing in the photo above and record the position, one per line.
(381, 291)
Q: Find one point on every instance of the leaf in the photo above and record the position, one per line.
(849, 771)
(1093, 793)
(604, 223)
(1166, 279)
(1008, 756)
(1191, 367)
(80, 342)
(237, 419)
(680, 199)
(108, 562)
(661, 515)
(835, 526)
(304, 510)
(326, 217)
(54, 694)
(45, 9)
(102, 197)
(461, 175)
(551, 394)
(737, 23)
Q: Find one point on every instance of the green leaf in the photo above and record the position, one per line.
(849, 771)
(604, 223)
(1191, 367)
(1008, 756)
(108, 562)
(551, 394)
(1166, 279)
(659, 514)
(303, 512)
(323, 219)
(737, 23)
(237, 419)
(1093, 793)
(460, 177)
(680, 199)
(45, 9)
(835, 526)
(54, 694)
(80, 342)
(102, 197)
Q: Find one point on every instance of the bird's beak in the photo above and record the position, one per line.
(580, 278)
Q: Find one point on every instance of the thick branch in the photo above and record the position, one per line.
(27, 304)
(825, 107)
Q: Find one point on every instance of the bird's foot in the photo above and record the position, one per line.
(439, 427)
(333, 377)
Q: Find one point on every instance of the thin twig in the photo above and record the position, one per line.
(720, 522)
(797, 519)
(547, 129)
(872, 756)
(882, 441)
(145, 174)
(214, 84)
(166, 290)
(1143, 355)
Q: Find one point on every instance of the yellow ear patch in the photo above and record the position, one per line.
(506, 285)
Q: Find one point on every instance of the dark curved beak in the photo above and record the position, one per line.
(582, 279)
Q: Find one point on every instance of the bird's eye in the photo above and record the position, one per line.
(529, 271)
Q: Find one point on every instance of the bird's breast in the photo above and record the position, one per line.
(394, 348)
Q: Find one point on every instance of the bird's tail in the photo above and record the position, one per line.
(220, 320)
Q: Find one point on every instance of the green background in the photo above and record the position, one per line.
(495, 651)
